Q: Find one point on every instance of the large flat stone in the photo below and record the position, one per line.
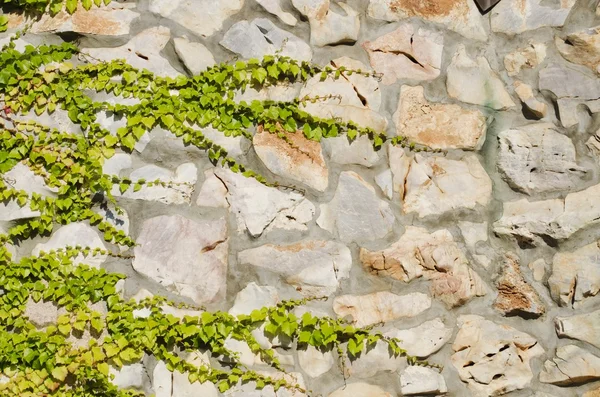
(571, 366)
(517, 16)
(584, 327)
(582, 48)
(423, 340)
(328, 27)
(72, 235)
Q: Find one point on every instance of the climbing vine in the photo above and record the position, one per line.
(48, 79)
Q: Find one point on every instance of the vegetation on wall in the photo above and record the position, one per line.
(61, 78)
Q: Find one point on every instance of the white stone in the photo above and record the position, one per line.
(316, 267)
(41, 314)
(195, 56)
(131, 376)
(213, 192)
(183, 388)
(475, 82)
(261, 37)
(142, 52)
(537, 158)
(360, 151)
(461, 16)
(315, 362)
(525, 93)
(259, 208)
(423, 340)
(355, 212)
(187, 257)
(372, 361)
(385, 182)
(367, 87)
(584, 327)
(406, 53)
(249, 389)
(518, 16)
(162, 380)
(380, 307)
(328, 27)
(274, 7)
(111, 20)
(422, 380)
(493, 359)
(179, 189)
(435, 185)
(21, 177)
(473, 232)
(538, 269)
(254, 297)
(436, 125)
(526, 57)
(117, 163)
(571, 366)
(360, 389)
(435, 257)
(202, 17)
(71, 235)
(233, 144)
(400, 164)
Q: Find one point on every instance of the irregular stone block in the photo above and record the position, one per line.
(423, 340)
(526, 57)
(71, 235)
(517, 16)
(328, 27)
(571, 366)
(422, 380)
(585, 327)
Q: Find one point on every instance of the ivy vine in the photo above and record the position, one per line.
(44, 79)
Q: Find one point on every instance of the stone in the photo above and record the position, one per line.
(584, 327)
(595, 392)
(235, 145)
(360, 389)
(179, 184)
(21, 177)
(435, 185)
(111, 20)
(423, 340)
(475, 82)
(257, 208)
(493, 359)
(187, 257)
(422, 380)
(261, 37)
(527, 57)
(571, 366)
(195, 56)
(385, 182)
(537, 158)
(328, 27)
(538, 269)
(117, 163)
(533, 223)
(435, 257)
(249, 389)
(572, 88)
(575, 275)
(530, 102)
(72, 235)
(517, 16)
(460, 16)
(356, 213)
(183, 388)
(360, 151)
(473, 233)
(132, 376)
(41, 314)
(406, 53)
(141, 52)
(274, 7)
(202, 17)
(345, 98)
(297, 158)
(593, 144)
(516, 297)
(315, 362)
(582, 48)
(364, 84)
(373, 360)
(254, 297)
(314, 267)
(380, 307)
(438, 126)
(400, 164)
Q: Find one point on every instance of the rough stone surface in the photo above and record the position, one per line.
(380, 307)
(530, 102)
(584, 327)
(461, 16)
(438, 126)
(72, 235)
(423, 340)
(315, 267)
(203, 17)
(422, 380)
(21, 177)
(516, 297)
(195, 56)
(131, 376)
(185, 256)
(572, 365)
(493, 359)
(360, 151)
(299, 159)
(328, 27)
(475, 82)
(433, 256)
(517, 16)
(527, 57)
(537, 158)
(41, 314)
(274, 7)
(406, 53)
(360, 389)
(582, 48)
(315, 362)
(356, 213)
(254, 297)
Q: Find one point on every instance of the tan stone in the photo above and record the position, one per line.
(360, 389)
(296, 158)
(526, 57)
(595, 392)
(584, 327)
(438, 126)
(582, 48)
(525, 94)
(515, 295)
(572, 365)
(436, 257)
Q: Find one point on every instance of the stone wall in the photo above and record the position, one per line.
(482, 257)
